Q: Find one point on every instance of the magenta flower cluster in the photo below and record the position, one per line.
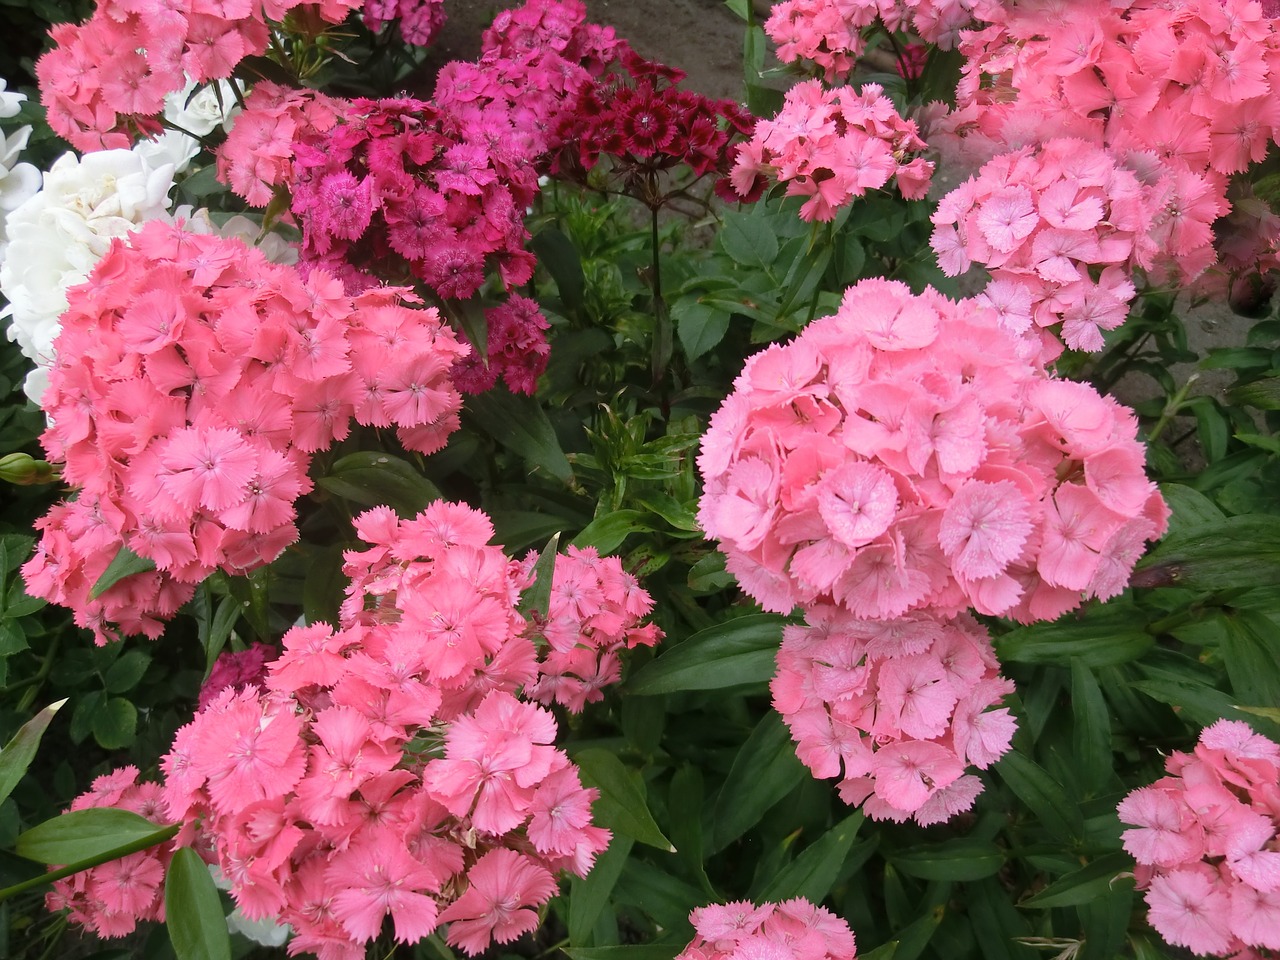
(387, 193)
(831, 146)
(894, 709)
(1045, 222)
(791, 930)
(389, 768)
(1207, 841)
(418, 21)
(107, 78)
(193, 381)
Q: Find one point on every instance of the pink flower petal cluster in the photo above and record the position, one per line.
(1207, 841)
(1182, 91)
(791, 930)
(111, 898)
(902, 456)
(257, 156)
(894, 709)
(833, 145)
(107, 78)
(517, 349)
(594, 613)
(1060, 229)
(388, 193)
(830, 32)
(419, 21)
(193, 381)
(388, 768)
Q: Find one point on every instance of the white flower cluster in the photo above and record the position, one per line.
(18, 181)
(195, 112)
(57, 236)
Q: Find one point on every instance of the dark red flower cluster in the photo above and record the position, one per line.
(517, 350)
(638, 116)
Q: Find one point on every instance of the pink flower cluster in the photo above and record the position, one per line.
(517, 349)
(641, 119)
(894, 709)
(1044, 222)
(1207, 841)
(902, 456)
(108, 77)
(833, 145)
(257, 156)
(417, 20)
(387, 193)
(388, 769)
(829, 32)
(594, 614)
(111, 898)
(1182, 92)
(791, 930)
(193, 380)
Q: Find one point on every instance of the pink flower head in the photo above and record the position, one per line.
(907, 455)
(1204, 838)
(793, 928)
(193, 380)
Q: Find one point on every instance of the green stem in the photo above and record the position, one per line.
(33, 683)
(142, 843)
(1171, 408)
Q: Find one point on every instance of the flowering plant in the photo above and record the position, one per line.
(540, 502)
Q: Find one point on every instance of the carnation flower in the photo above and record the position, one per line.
(793, 928)
(905, 455)
(1205, 837)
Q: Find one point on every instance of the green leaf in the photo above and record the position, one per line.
(812, 874)
(1090, 882)
(749, 239)
(700, 326)
(709, 574)
(557, 253)
(588, 896)
(520, 424)
(1107, 636)
(224, 621)
(606, 532)
(372, 478)
(18, 753)
(193, 910)
(324, 585)
(621, 806)
(124, 564)
(738, 651)
(684, 814)
(85, 834)
(962, 858)
(1235, 552)
(635, 951)
(125, 673)
(1042, 794)
(1263, 394)
(1091, 732)
(115, 723)
(1251, 652)
(1201, 704)
(537, 599)
(764, 771)
(1189, 508)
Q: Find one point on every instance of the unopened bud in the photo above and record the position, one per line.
(24, 470)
